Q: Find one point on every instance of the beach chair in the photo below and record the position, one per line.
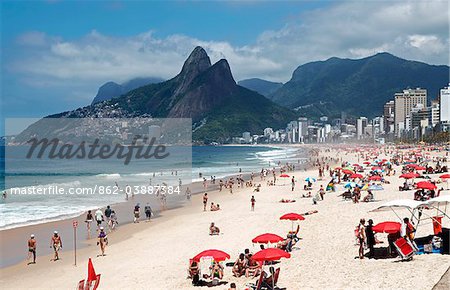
(271, 282)
(258, 284)
(404, 248)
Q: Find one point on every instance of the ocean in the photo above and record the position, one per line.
(20, 209)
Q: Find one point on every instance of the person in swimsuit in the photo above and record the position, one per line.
(253, 201)
(205, 201)
(102, 241)
(239, 266)
(88, 221)
(137, 213)
(216, 270)
(31, 249)
(148, 211)
(56, 244)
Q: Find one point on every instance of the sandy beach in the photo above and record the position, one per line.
(155, 255)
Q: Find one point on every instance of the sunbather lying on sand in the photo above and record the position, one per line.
(287, 200)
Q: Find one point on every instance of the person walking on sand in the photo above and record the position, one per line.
(188, 193)
(321, 192)
(102, 241)
(293, 183)
(88, 221)
(205, 201)
(253, 201)
(108, 211)
(148, 211)
(31, 250)
(99, 218)
(361, 234)
(56, 244)
(136, 212)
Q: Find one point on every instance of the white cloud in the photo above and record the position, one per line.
(414, 30)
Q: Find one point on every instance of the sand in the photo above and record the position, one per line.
(155, 255)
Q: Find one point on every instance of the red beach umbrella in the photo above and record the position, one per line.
(375, 178)
(419, 167)
(217, 255)
(409, 175)
(267, 238)
(347, 171)
(426, 185)
(292, 217)
(284, 175)
(366, 162)
(270, 254)
(356, 175)
(445, 176)
(376, 168)
(387, 227)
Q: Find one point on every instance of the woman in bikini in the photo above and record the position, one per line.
(102, 241)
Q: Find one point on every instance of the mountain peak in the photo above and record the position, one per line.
(197, 62)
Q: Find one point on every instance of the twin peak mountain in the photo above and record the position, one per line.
(207, 93)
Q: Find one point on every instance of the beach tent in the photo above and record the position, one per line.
(408, 204)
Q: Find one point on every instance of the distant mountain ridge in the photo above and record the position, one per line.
(111, 89)
(359, 87)
(260, 86)
(205, 92)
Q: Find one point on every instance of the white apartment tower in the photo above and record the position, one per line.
(404, 102)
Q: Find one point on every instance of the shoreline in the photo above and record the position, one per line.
(19, 235)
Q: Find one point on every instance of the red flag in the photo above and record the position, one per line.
(97, 281)
(91, 272)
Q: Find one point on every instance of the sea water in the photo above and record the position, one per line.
(207, 161)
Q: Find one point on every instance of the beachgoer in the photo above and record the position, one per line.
(194, 273)
(112, 221)
(407, 229)
(253, 201)
(56, 244)
(239, 266)
(232, 286)
(31, 250)
(216, 271)
(292, 183)
(205, 201)
(213, 230)
(102, 241)
(361, 235)
(321, 192)
(136, 213)
(148, 211)
(108, 212)
(88, 221)
(188, 194)
(370, 238)
(99, 218)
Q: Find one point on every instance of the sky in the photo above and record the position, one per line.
(56, 54)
